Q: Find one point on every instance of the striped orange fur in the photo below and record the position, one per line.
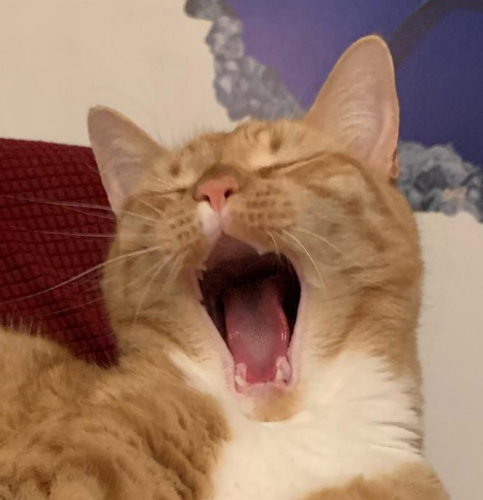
(166, 423)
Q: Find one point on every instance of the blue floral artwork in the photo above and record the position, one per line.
(272, 56)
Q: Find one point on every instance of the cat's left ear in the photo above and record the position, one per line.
(358, 105)
(121, 150)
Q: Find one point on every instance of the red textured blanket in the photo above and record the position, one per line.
(49, 234)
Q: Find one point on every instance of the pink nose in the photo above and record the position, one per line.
(217, 191)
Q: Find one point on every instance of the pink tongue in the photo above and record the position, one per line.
(257, 329)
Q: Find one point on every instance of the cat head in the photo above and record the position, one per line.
(257, 254)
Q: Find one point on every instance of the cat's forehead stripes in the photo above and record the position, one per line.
(248, 147)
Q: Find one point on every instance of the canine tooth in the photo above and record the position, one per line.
(241, 370)
(241, 374)
(281, 361)
(284, 370)
(240, 382)
(279, 376)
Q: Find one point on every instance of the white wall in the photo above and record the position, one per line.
(451, 341)
(146, 58)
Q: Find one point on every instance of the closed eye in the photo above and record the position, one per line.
(299, 162)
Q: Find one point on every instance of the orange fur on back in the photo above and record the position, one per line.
(70, 430)
(165, 423)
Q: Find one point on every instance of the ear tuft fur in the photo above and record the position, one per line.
(121, 150)
(358, 105)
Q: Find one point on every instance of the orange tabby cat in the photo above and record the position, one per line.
(264, 285)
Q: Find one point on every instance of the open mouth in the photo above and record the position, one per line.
(253, 301)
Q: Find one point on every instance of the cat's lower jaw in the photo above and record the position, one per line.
(283, 375)
(252, 301)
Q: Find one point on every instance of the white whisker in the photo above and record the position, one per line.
(277, 250)
(101, 299)
(77, 205)
(92, 214)
(156, 273)
(321, 238)
(177, 267)
(336, 248)
(84, 273)
(62, 233)
(91, 168)
(152, 207)
(308, 255)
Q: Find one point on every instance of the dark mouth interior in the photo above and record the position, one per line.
(251, 271)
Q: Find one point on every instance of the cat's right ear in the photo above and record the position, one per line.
(358, 105)
(121, 150)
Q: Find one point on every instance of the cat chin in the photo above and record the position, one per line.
(228, 263)
(270, 402)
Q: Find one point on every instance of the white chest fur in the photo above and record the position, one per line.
(355, 421)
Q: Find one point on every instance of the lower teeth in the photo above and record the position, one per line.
(282, 375)
(241, 375)
(284, 370)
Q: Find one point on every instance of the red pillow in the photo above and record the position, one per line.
(49, 234)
